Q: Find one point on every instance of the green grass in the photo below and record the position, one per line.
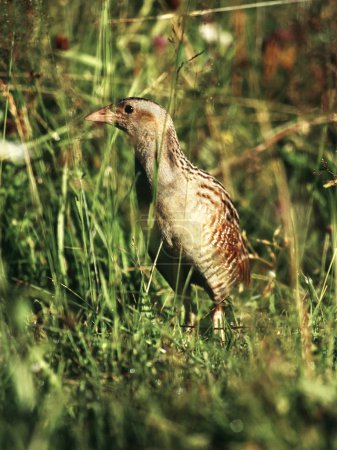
(92, 352)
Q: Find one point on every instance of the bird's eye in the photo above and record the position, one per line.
(128, 109)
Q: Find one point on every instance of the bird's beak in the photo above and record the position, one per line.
(106, 115)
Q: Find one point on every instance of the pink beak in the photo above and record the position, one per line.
(103, 115)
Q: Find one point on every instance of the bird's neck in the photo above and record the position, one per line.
(162, 158)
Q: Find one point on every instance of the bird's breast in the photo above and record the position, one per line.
(175, 214)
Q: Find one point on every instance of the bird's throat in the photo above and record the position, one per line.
(160, 159)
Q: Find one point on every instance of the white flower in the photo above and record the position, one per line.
(12, 151)
(211, 32)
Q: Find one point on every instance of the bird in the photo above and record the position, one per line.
(194, 235)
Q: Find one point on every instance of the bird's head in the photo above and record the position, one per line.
(139, 118)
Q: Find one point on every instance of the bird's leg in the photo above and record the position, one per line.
(190, 312)
(221, 326)
(219, 323)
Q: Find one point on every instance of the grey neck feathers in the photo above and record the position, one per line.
(161, 158)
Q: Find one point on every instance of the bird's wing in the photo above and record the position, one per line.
(222, 231)
(230, 250)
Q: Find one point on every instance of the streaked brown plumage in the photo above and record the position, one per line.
(196, 236)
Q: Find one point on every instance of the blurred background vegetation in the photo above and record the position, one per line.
(92, 352)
